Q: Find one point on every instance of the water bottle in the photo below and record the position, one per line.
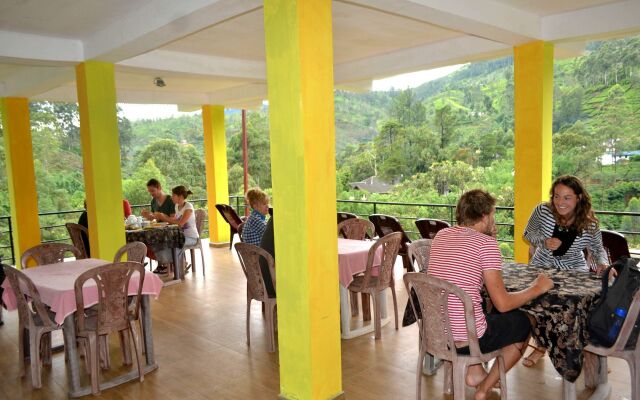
(619, 316)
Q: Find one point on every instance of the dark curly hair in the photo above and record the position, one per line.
(585, 219)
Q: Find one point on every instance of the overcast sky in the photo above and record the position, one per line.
(136, 112)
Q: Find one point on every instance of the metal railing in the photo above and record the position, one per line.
(53, 228)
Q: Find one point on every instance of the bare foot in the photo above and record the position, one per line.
(475, 375)
(533, 357)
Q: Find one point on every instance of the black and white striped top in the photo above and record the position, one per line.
(540, 227)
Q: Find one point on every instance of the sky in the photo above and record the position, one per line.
(135, 112)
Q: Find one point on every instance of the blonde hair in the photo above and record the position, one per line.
(256, 196)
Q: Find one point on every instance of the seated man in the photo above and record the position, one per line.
(161, 203)
(468, 256)
(256, 223)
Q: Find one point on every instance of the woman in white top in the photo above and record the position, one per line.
(184, 217)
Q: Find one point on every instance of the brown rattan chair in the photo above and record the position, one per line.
(373, 285)
(34, 317)
(49, 253)
(135, 251)
(419, 254)
(116, 311)
(356, 229)
(386, 224)
(250, 256)
(78, 235)
(429, 227)
(343, 216)
(615, 244)
(630, 352)
(436, 336)
(200, 216)
(232, 218)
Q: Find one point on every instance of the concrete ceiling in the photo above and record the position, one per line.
(212, 51)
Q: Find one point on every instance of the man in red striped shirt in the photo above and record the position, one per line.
(468, 256)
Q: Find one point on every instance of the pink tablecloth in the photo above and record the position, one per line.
(55, 285)
(352, 258)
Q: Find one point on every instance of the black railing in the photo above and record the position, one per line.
(53, 228)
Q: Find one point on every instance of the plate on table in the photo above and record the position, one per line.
(158, 224)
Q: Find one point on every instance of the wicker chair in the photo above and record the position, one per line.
(116, 311)
(232, 218)
(419, 254)
(250, 256)
(373, 285)
(200, 217)
(436, 336)
(78, 235)
(49, 253)
(34, 318)
(615, 244)
(620, 349)
(356, 229)
(386, 224)
(135, 251)
(429, 227)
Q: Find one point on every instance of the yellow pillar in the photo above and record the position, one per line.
(215, 156)
(299, 57)
(23, 196)
(533, 90)
(101, 157)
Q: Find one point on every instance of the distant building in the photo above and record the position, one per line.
(372, 184)
(609, 159)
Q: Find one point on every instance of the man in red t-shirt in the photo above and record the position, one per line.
(468, 256)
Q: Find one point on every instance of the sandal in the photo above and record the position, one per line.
(533, 357)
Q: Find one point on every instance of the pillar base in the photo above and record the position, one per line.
(218, 244)
(339, 396)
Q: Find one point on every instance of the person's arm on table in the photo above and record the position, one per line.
(505, 301)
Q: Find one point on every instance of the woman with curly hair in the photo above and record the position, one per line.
(560, 230)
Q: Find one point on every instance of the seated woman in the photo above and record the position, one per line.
(256, 223)
(560, 230)
(184, 217)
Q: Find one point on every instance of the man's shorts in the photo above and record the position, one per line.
(503, 329)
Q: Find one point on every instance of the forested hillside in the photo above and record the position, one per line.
(434, 141)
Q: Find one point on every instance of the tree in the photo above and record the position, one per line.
(449, 175)
(444, 122)
(407, 109)
(134, 188)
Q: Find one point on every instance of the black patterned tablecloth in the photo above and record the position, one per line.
(561, 313)
(164, 237)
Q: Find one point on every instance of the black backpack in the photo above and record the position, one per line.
(602, 316)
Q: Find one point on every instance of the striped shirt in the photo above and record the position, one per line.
(460, 255)
(541, 226)
(254, 228)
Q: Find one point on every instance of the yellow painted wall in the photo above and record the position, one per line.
(101, 157)
(301, 122)
(23, 196)
(533, 90)
(215, 154)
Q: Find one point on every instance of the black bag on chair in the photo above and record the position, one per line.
(607, 315)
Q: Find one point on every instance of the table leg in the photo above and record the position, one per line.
(596, 376)
(430, 365)
(345, 312)
(177, 264)
(147, 330)
(71, 349)
(568, 390)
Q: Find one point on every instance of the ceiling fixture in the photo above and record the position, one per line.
(159, 82)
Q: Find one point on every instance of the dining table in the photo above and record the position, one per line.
(161, 236)
(352, 260)
(55, 284)
(561, 322)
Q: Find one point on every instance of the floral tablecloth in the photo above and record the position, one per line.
(162, 237)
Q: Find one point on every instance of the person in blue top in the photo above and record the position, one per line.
(256, 223)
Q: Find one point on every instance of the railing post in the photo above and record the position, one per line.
(13, 254)
(375, 209)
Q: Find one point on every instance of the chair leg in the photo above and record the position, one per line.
(202, 258)
(395, 303)
(354, 303)
(193, 261)
(94, 358)
(136, 348)
(447, 386)
(231, 232)
(271, 331)
(248, 320)
(459, 374)
(21, 349)
(45, 348)
(419, 375)
(125, 348)
(366, 307)
(34, 354)
(376, 316)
